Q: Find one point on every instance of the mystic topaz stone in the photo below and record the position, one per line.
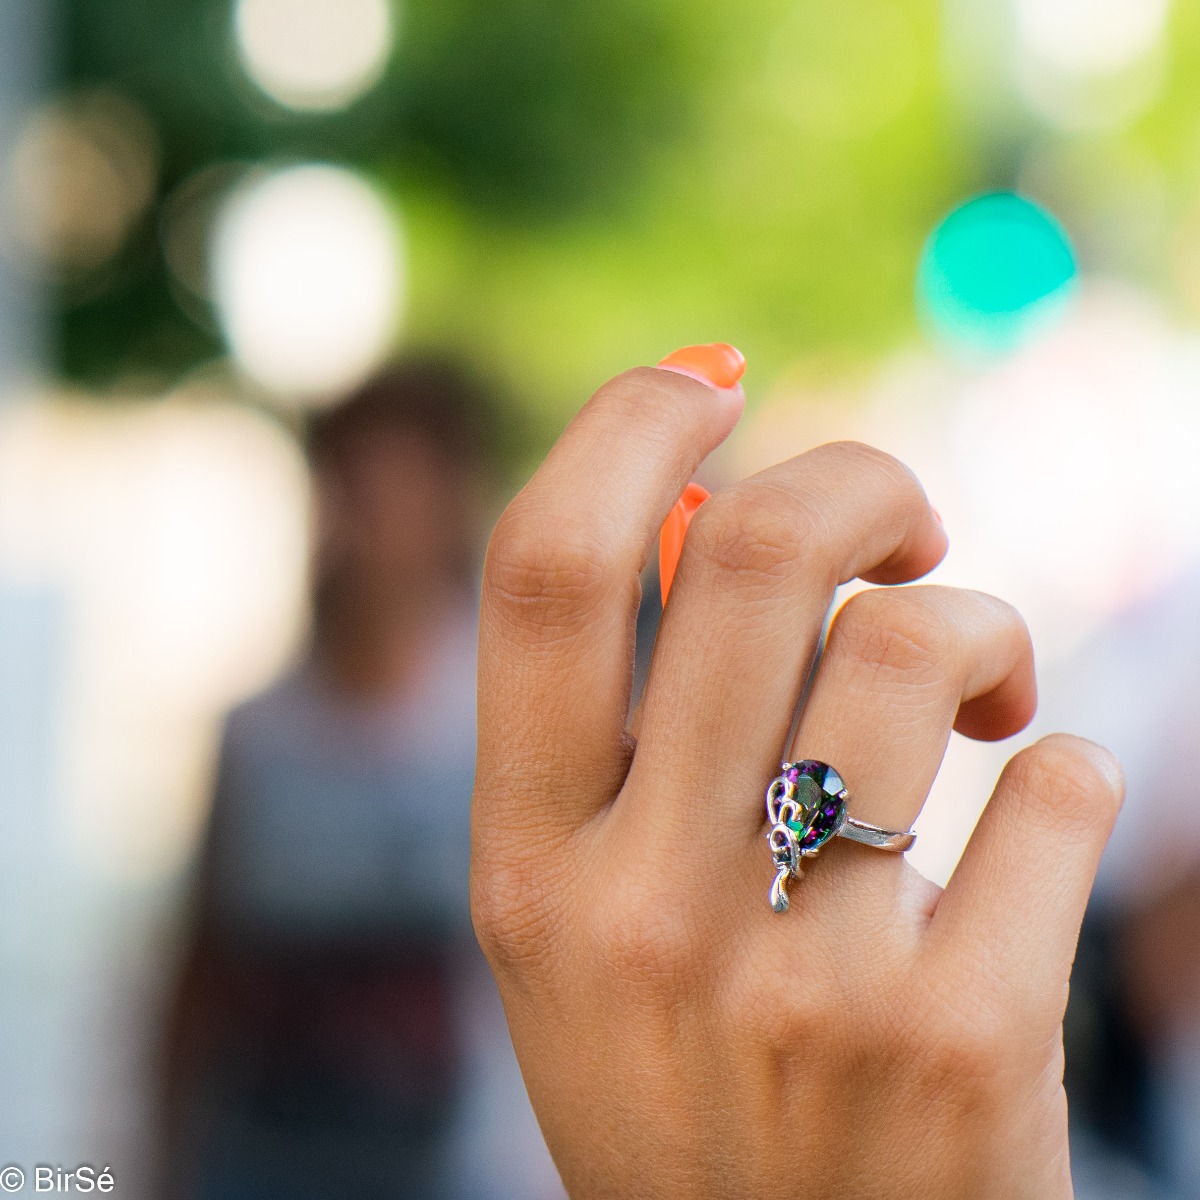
(821, 795)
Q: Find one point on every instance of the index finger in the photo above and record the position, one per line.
(560, 595)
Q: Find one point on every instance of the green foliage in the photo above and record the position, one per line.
(529, 112)
(586, 185)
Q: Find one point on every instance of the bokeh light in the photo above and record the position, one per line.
(178, 534)
(314, 54)
(1091, 65)
(995, 270)
(1091, 36)
(81, 174)
(307, 279)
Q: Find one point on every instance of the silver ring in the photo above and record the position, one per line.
(806, 806)
(877, 838)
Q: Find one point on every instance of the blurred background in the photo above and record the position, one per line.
(965, 230)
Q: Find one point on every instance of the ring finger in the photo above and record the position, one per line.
(901, 668)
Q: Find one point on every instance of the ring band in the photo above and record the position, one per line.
(867, 834)
(806, 805)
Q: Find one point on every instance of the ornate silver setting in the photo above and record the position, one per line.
(806, 808)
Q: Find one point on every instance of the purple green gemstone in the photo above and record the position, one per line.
(820, 793)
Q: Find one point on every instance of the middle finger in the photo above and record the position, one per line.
(756, 577)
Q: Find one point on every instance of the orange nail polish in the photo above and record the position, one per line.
(718, 363)
(670, 541)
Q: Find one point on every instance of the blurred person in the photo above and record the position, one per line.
(336, 1032)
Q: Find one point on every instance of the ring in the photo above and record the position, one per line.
(806, 805)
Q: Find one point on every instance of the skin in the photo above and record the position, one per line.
(883, 1038)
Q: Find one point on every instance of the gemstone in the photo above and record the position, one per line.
(821, 795)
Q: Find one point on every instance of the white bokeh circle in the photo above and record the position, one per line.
(307, 274)
(314, 54)
(1082, 37)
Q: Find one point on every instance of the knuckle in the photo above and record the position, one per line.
(543, 571)
(861, 458)
(639, 940)
(625, 394)
(1069, 782)
(961, 1051)
(962, 1066)
(893, 632)
(808, 1018)
(818, 999)
(509, 915)
(752, 534)
(656, 403)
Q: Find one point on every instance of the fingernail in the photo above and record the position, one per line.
(1109, 765)
(717, 363)
(938, 515)
(670, 540)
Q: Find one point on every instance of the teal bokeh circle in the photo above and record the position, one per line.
(993, 271)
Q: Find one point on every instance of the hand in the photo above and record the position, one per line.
(678, 1038)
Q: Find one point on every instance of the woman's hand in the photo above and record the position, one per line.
(678, 1038)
